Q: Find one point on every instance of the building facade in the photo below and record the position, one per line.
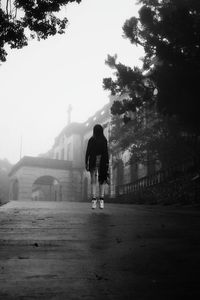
(71, 145)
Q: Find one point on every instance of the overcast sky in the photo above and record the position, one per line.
(39, 81)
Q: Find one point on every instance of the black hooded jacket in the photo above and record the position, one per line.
(98, 146)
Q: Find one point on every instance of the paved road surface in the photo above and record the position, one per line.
(52, 250)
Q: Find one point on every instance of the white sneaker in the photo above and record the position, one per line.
(101, 204)
(94, 204)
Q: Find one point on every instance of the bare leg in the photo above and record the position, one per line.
(93, 184)
(94, 189)
(101, 194)
(101, 190)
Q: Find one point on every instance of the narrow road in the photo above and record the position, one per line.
(60, 250)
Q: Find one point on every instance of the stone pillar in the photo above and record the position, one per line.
(77, 185)
(112, 183)
(66, 182)
(25, 188)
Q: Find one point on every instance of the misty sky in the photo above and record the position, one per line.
(39, 81)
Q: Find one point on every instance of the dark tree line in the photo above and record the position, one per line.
(165, 92)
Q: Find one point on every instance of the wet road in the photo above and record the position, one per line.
(52, 250)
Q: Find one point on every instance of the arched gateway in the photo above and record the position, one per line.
(34, 177)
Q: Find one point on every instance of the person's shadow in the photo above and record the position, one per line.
(99, 229)
(99, 247)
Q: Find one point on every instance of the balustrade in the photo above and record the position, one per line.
(158, 177)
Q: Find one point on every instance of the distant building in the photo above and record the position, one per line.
(71, 145)
(72, 141)
(66, 164)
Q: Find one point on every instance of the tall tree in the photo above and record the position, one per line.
(21, 20)
(169, 31)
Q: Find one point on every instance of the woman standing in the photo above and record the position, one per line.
(96, 162)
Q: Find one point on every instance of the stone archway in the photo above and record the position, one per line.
(29, 172)
(46, 188)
